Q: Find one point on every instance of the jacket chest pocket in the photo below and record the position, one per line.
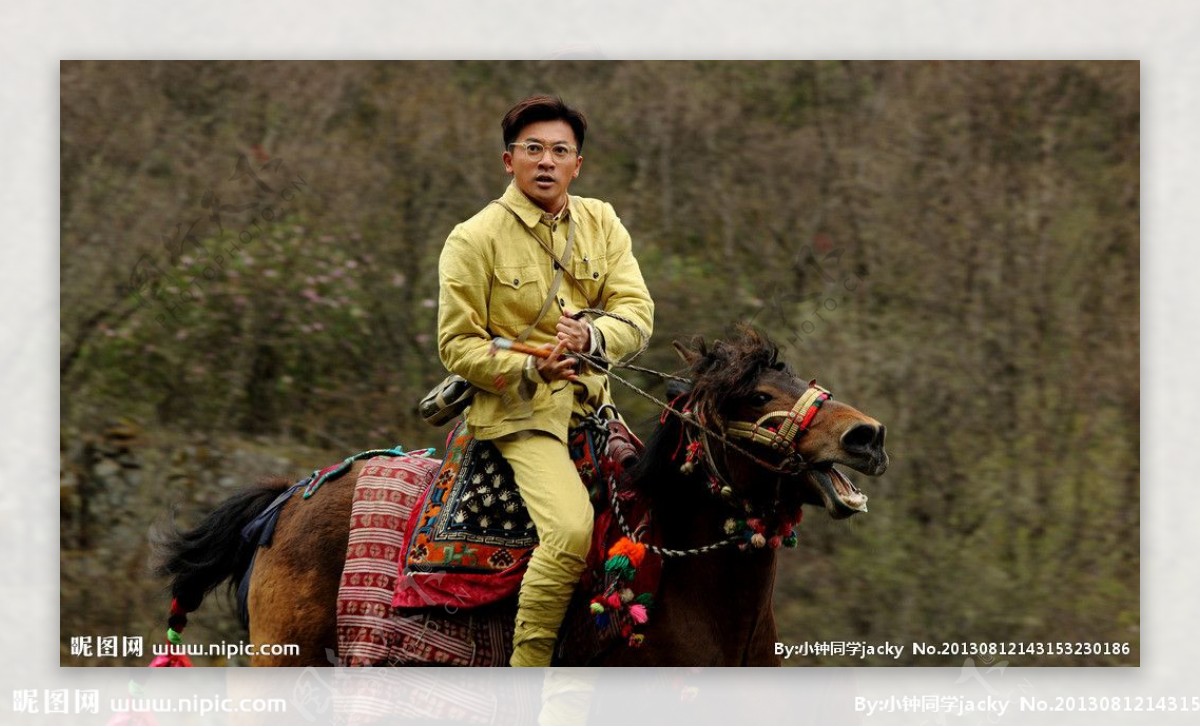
(591, 272)
(517, 296)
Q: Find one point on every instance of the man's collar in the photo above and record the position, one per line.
(529, 212)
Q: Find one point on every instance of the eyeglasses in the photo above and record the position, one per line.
(535, 150)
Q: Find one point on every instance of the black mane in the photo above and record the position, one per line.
(724, 373)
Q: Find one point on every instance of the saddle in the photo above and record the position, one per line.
(468, 541)
(429, 549)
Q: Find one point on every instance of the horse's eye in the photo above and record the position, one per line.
(760, 398)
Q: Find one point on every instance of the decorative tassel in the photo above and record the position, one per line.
(638, 613)
(171, 660)
(757, 540)
(636, 640)
(620, 568)
(635, 552)
(618, 608)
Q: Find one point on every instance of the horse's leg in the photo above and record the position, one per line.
(294, 586)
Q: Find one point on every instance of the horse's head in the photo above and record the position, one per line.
(783, 434)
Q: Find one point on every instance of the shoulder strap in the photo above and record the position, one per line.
(559, 266)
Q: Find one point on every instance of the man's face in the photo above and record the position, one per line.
(544, 180)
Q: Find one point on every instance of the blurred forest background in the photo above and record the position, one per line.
(248, 286)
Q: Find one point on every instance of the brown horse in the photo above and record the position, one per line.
(755, 442)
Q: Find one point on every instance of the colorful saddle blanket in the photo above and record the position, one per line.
(385, 494)
(469, 542)
(455, 535)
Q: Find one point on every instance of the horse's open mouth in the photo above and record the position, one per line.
(842, 499)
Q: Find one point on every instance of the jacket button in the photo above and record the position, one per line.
(595, 275)
(562, 301)
(516, 281)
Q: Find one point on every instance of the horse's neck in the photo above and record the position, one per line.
(689, 517)
(713, 607)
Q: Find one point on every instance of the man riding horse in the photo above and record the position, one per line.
(502, 273)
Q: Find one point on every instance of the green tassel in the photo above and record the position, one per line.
(620, 568)
(617, 562)
(646, 599)
(789, 541)
(174, 637)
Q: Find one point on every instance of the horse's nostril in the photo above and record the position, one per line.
(862, 436)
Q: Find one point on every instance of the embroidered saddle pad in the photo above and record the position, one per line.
(384, 602)
(469, 542)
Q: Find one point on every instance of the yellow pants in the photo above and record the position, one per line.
(562, 514)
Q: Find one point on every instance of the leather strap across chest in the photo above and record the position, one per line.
(560, 265)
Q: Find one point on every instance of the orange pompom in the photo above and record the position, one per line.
(626, 547)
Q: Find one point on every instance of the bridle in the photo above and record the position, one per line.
(795, 422)
(778, 430)
(746, 528)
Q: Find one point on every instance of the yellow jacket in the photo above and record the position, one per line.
(494, 278)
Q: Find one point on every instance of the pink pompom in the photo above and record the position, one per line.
(638, 613)
(171, 660)
(614, 600)
(775, 541)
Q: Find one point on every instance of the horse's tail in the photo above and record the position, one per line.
(199, 560)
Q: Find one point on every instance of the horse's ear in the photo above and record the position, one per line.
(690, 356)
